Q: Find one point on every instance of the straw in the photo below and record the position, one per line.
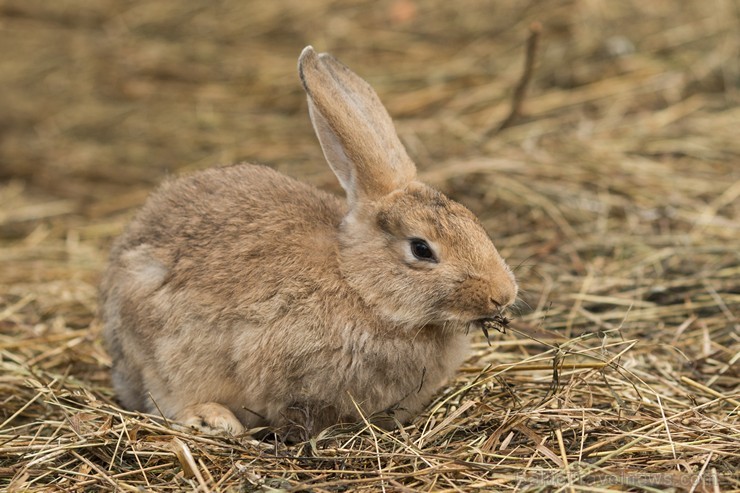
(607, 172)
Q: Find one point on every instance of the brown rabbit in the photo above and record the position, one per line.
(239, 297)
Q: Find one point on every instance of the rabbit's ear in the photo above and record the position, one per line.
(355, 131)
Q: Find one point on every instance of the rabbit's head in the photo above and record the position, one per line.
(411, 253)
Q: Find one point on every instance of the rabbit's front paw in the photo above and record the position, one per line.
(211, 418)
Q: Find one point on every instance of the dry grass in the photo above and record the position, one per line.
(615, 192)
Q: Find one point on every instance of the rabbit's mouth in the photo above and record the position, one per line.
(497, 322)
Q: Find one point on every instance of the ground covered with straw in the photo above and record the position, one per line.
(612, 188)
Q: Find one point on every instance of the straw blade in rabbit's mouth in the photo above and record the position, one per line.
(497, 322)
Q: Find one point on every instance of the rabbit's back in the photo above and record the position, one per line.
(224, 212)
(216, 227)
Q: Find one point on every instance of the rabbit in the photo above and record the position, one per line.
(240, 298)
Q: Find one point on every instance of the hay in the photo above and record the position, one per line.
(614, 192)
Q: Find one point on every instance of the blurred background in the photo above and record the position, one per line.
(627, 144)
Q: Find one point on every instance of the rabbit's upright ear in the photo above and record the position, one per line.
(356, 133)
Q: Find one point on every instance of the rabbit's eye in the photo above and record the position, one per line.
(422, 250)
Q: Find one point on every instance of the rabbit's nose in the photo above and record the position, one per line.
(503, 296)
(495, 307)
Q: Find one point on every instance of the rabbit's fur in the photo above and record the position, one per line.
(241, 297)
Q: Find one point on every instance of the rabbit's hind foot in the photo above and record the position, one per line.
(211, 418)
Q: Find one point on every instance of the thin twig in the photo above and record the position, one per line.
(520, 91)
